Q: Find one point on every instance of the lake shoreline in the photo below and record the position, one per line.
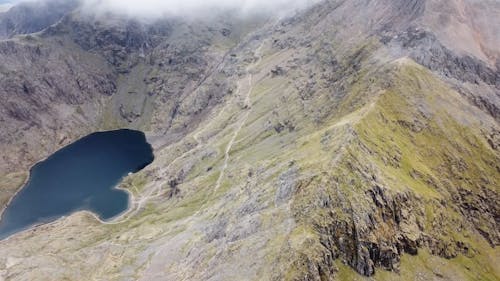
(131, 203)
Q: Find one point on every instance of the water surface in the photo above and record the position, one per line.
(81, 176)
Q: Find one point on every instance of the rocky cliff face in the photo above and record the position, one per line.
(349, 141)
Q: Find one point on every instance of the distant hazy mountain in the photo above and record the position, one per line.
(34, 16)
(350, 140)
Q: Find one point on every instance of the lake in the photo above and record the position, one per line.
(81, 176)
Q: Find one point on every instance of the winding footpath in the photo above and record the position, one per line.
(248, 106)
(165, 250)
(156, 191)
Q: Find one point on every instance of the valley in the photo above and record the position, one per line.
(350, 140)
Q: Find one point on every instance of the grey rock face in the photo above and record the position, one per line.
(286, 186)
(426, 50)
(39, 84)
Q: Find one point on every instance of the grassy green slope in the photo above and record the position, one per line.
(416, 162)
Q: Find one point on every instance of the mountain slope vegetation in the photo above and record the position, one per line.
(353, 140)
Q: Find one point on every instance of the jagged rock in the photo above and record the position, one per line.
(277, 71)
(286, 186)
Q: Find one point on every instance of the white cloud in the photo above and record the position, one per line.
(159, 8)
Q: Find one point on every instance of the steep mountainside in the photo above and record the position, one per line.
(354, 140)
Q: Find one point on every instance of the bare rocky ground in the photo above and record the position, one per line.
(351, 141)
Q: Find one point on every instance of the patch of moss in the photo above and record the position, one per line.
(135, 182)
(10, 184)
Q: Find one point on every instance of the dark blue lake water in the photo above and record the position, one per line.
(81, 176)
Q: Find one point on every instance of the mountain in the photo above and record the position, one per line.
(34, 16)
(352, 140)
